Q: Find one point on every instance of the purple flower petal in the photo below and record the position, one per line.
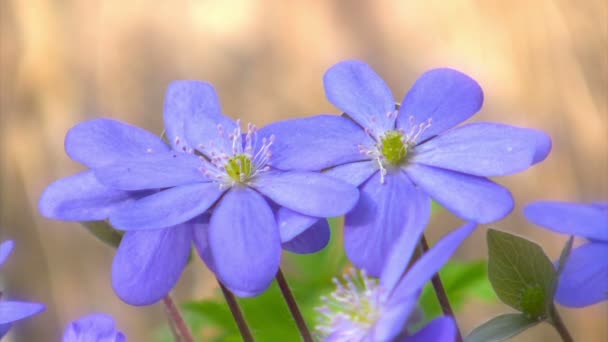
(167, 208)
(447, 97)
(292, 224)
(481, 149)
(193, 118)
(472, 198)
(543, 145)
(440, 329)
(11, 311)
(153, 172)
(148, 264)
(101, 142)
(201, 240)
(93, 328)
(383, 213)
(356, 89)
(315, 143)
(569, 218)
(5, 250)
(312, 240)
(308, 193)
(354, 173)
(430, 263)
(245, 242)
(82, 198)
(584, 280)
(393, 320)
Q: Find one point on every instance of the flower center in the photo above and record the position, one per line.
(352, 309)
(393, 147)
(239, 167)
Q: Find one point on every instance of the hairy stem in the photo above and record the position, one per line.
(179, 327)
(235, 309)
(293, 307)
(440, 292)
(559, 325)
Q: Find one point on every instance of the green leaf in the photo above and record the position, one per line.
(521, 274)
(462, 280)
(501, 328)
(104, 232)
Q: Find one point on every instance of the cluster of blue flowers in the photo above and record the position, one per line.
(240, 196)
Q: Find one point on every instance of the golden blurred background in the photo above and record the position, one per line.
(542, 64)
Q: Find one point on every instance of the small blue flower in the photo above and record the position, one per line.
(12, 311)
(214, 185)
(93, 328)
(363, 309)
(400, 159)
(584, 279)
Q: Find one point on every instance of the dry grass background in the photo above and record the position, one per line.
(541, 63)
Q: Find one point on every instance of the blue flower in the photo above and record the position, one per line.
(363, 309)
(584, 279)
(93, 328)
(213, 185)
(400, 159)
(12, 311)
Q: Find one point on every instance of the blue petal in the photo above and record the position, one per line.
(154, 172)
(308, 193)
(312, 240)
(96, 327)
(192, 116)
(354, 173)
(201, 240)
(481, 149)
(5, 250)
(569, 218)
(82, 198)
(245, 242)
(584, 280)
(543, 145)
(440, 329)
(101, 142)
(470, 197)
(11, 311)
(383, 213)
(430, 263)
(167, 208)
(4, 328)
(447, 97)
(315, 143)
(148, 264)
(393, 320)
(356, 89)
(292, 224)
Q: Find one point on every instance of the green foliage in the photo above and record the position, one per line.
(521, 274)
(501, 328)
(104, 232)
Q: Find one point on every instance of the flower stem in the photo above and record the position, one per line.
(440, 292)
(293, 307)
(237, 314)
(559, 325)
(179, 327)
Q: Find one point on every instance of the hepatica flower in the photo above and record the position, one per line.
(364, 309)
(93, 328)
(214, 185)
(584, 279)
(12, 311)
(401, 158)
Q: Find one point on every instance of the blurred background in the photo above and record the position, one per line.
(542, 64)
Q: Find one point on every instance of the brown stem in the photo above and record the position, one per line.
(440, 292)
(293, 307)
(559, 325)
(237, 314)
(178, 324)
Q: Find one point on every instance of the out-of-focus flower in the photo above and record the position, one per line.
(96, 327)
(363, 309)
(584, 278)
(12, 311)
(214, 185)
(400, 159)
